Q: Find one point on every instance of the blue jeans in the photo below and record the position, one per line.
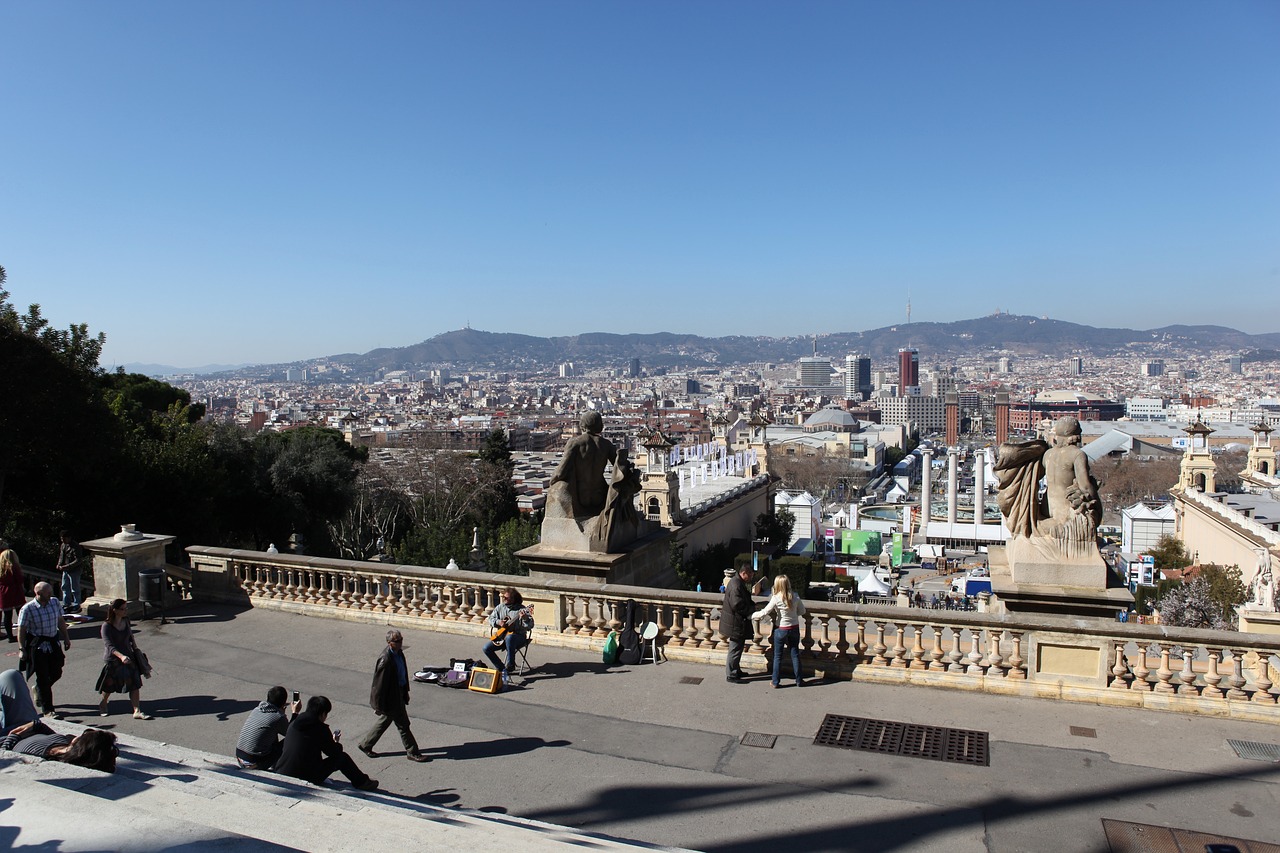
(70, 589)
(790, 638)
(512, 642)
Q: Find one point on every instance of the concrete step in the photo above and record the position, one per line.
(163, 796)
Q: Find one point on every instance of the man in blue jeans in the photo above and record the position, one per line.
(512, 620)
(69, 563)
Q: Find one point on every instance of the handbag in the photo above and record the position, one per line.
(144, 665)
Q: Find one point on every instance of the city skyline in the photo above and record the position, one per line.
(239, 182)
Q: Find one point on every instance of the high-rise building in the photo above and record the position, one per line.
(1155, 367)
(1005, 364)
(857, 377)
(633, 368)
(1075, 366)
(908, 369)
(1237, 364)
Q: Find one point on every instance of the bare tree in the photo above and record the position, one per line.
(377, 514)
(1127, 480)
(1191, 605)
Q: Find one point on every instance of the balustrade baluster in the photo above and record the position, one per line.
(599, 624)
(975, 654)
(860, 644)
(707, 638)
(1016, 669)
(1140, 670)
(879, 648)
(936, 654)
(841, 644)
(807, 642)
(897, 655)
(1187, 677)
(690, 632)
(1262, 680)
(1236, 678)
(954, 656)
(1212, 677)
(1120, 670)
(676, 637)
(1164, 675)
(309, 594)
(994, 658)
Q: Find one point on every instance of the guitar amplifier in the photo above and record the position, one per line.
(485, 680)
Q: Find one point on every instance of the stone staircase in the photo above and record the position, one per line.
(165, 797)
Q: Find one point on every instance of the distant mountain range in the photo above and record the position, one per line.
(996, 334)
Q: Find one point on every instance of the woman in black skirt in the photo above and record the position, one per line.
(124, 664)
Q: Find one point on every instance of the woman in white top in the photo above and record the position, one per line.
(786, 608)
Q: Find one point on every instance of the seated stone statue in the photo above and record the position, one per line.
(1060, 528)
(1262, 588)
(585, 512)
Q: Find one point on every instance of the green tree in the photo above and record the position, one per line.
(776, 527)
(1226, 588)
(1190, 605)
(1169, 553)
(304, 478)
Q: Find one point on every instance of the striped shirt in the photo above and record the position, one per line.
(258, 736)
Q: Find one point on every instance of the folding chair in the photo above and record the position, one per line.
(522, 655)
(649, 636)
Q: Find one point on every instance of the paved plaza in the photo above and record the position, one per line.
(654, 754)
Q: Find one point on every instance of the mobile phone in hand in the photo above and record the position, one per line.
(295, 696)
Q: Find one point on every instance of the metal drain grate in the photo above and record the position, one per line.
(1126, 837)
(1255, 751)
(959, 746)
(1081, 731)
(757, 739)
(690, 679)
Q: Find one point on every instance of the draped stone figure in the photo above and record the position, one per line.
(584, 511)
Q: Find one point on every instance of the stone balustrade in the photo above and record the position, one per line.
(1058, 657)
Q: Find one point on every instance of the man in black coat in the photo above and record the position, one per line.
(388, 698)
(735, 621)
(312, 752)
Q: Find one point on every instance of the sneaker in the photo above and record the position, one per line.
(366, 785)
(506, 678)
(142, 715)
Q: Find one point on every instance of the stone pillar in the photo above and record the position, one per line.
(953, 482)
(926, 493)
(979, 489)
(116, 563)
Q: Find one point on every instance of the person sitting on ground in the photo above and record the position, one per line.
(16, 707)
(262, 737)
(312, 752)
(512, 616)
(92, 748)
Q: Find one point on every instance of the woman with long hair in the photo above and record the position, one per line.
(786, 608)
(92, 748)
(124, 664)
(12, 592)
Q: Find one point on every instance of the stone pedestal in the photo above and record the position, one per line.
(1258, 621)
(1059, 590)
(116, 563)
(646, 562)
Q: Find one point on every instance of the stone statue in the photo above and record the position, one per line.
(578, 487)
(1262, 588)
(584, 512)
(1060, 528)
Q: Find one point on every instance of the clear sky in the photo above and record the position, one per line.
(269, 181)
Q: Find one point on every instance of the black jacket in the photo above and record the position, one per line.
(305, 744)
(735, 613)
(386, 696)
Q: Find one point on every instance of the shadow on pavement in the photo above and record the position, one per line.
(491, 748)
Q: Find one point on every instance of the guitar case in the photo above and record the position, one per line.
(629, 649)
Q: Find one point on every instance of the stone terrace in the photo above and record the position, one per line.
(636, 753)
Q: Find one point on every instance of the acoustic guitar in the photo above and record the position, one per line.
(505, 628)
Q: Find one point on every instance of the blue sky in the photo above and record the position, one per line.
(269, 181)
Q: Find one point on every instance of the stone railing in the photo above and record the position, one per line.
(1148, 666)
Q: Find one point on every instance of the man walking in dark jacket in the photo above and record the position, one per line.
(388, 698)
(735, 622)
